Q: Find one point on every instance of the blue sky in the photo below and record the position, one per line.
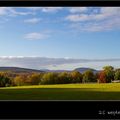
(61, 32)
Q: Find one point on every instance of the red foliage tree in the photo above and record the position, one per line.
(102, 77)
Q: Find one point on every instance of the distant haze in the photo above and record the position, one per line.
(56, 63)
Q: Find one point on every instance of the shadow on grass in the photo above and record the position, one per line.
(58, 94)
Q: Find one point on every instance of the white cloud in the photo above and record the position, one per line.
(36, 36)
(6, 10)
(45, 9)
(51, 9)
(105, 13)
(10, 57)
(106, 19)
(86, 17)
(78, 9)
(77, 17)
(97, 26)
(32, 20)
(22, 13)
(109, 11)
(10, 11)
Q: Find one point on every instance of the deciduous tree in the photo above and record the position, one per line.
(88, 76)
(109, 71)
(117, 75)
(102, 78)
(76, 77)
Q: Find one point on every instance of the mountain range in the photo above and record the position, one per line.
(27, 70)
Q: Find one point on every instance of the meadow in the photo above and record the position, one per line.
(90, 91)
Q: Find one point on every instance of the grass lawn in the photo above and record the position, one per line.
(109, 91)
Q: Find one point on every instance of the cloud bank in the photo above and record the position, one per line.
(52, 63)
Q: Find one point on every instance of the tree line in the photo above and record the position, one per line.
(107, 75)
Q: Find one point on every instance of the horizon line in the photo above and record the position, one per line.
(59, 57)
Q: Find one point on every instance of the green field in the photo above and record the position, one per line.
(109, 91)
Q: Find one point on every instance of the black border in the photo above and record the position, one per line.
(58, 109)
(29, 3)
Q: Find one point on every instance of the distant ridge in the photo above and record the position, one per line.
(27, 70)
(82, 70)
(57, 70)
(19, 70)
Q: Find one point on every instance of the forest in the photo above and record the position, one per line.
(107, 75)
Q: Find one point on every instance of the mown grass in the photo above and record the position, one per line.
(109, 91)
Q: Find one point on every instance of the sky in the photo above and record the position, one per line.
(59, 37)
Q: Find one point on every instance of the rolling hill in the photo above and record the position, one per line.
(27, 70)
(81, 70)
(19, 70)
